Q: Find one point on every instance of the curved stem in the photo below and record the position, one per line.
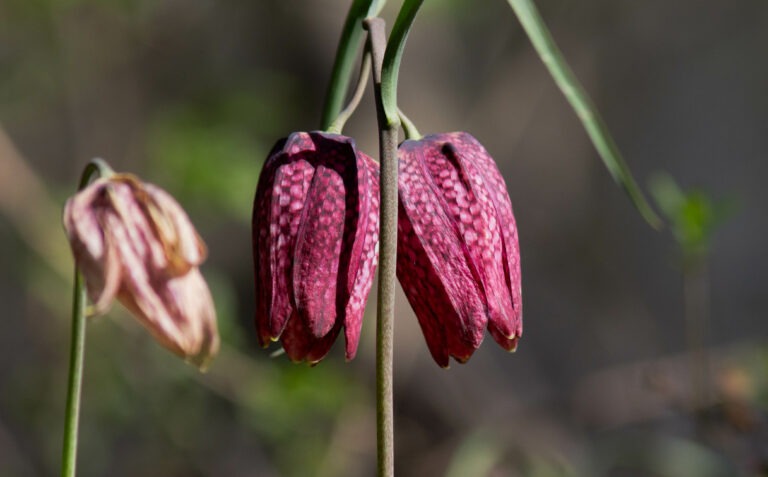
(390, 67)
(76, 358)
(573, 91)
(387, 260)
(341, 120)
(77, 345)
(349, 43)
(410, 129)
(95, 166)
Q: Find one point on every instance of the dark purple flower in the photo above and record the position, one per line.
(131, 240)
(458, 256)
(315, 240)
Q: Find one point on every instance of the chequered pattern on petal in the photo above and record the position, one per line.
(458, 259)
(318, 249)
(132, 241)
(429, 229)
(315, 232)
(475, 153)
(93, 254)
(429, 298)
(182, 242)
(368, 256)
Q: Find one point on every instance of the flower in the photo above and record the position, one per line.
(132, 240)
(458, 256)
(315, 239)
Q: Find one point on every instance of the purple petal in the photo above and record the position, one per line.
(454, 161)
(356, 261)
(318, 249)
(460, 263)
(315, 232)
(279, 201)
(301, 345)
(363, 263)
(441, 243)
(507, 327)
(424, 290)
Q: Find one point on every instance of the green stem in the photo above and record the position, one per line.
(362, 80)
(553, 59)
(77, 346)
(349, 43)
(410, 129)
(76, 358)
(390, 68)
(387, 260)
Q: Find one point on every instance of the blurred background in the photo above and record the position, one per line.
(644, 354)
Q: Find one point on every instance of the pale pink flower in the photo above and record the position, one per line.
(132, 240)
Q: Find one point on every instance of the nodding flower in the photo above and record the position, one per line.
(458, 256)
(132, 241)
(315, 243)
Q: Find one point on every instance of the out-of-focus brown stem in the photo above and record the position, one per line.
(696, 296)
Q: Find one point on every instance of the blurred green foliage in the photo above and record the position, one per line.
(693, 215)
(184, 143)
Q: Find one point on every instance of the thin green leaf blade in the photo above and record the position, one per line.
(598, 132)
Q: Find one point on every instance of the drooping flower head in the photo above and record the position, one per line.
(315, 240)
(458, 256)
(132, 240)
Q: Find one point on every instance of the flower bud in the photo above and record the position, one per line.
(315, 239)
(458, 256)
(132, 240)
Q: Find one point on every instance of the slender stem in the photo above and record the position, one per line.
(386, 66)
(387, 261)
(362, 80)
(76, 358)
(77, 346)
(349, 43)
(573, 91)
(410, 129)
(95, 166)
(696, 296)
(390, 68)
